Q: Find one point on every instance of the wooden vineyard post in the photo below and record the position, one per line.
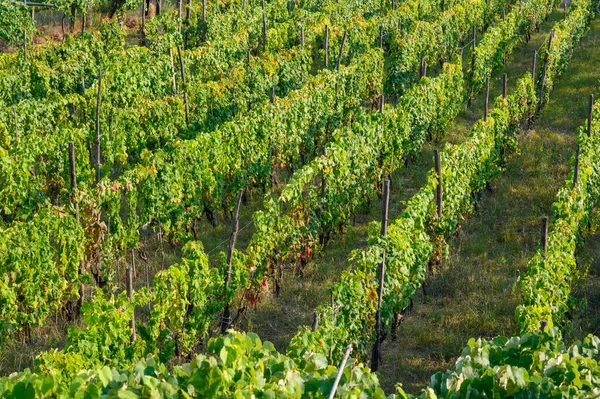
(393, 5)
(474, 47)
(204, 27)
(576, 171)
(544, 71)
(534, 66)
(469, 102)
(73, 178)
(323, 193)
(326, 46)
(184, 85)
(423, 70)
(188, 15)
(381, 36)
(274, 181)
(143, 28)
(533, 73)
(486, 108)
(25, 37)
(72, 172)
(179, 14)
(504, 81)
(332, 304)
(302, 36)
(235, 228)
(315, 323)
(590, 115)
(376, 356)
(14, 110)
(98, 149)
(443, 5)
(338, 377)
(130, 293)
(264, 30)
(33, 18)
(381, 102)
(173, 79)
(339, 60)
(544, 236)
(438, 195)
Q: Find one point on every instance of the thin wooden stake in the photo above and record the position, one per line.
(272, 94)
(381, 102)
(504, 81)
(338, 377)
(14, 110)
(470, 101)
(188, 15)
(326, 46)
(438, 171)
(184, 86)
(264, 30)
(590, 115)
(381, 36)
(130, 295)
(544, 234)
(33, 18)
(339, 60)
(98, 149)
(25, 37)
(323, 180)
(544, 71)
(332, 303)
(302, 36)
(179, 14)
(534, 66)
(486, 108)
(376, 355)
(72, 172)
(315, 324)
(73, 178)
(173, 78)
(576, 172)
(235, 228)
(423, 71)
(205, 27)
(143, 22)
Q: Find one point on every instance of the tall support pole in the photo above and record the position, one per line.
(376, 355)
